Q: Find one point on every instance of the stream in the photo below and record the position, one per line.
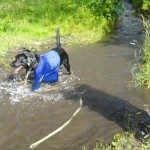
(103, 69)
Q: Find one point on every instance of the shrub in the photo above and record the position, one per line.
(142, 6)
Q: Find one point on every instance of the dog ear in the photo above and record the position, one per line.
(23, 49)
(32, 58)
(29, 61)
(27, 53)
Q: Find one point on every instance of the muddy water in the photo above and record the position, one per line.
(103, 69)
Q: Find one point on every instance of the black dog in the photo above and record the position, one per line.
(46, 66)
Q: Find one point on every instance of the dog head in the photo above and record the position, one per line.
(25, 59)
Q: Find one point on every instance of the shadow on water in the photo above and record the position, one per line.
(115, 109)
(102, 115)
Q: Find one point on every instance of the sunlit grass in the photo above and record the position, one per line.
(123, 141)
(80, 22)
(141, 69)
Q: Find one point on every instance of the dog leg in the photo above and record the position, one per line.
(67, 65)
(36, 85)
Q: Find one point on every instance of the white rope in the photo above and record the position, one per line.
(34, 145)
(52, 88)
(26, 78)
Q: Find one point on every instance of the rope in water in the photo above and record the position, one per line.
(25, 80)
(34, 145)
(53, 88)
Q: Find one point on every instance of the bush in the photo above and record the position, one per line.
(80, 21)
(142, 6)
(18, 15)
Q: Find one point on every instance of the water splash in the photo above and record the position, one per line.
(19, 93)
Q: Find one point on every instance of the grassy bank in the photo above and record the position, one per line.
(136, 134)
(33, 22)
(141, 69)
(142, 6)
(124, 141)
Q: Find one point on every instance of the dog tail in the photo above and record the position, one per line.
(58, 43)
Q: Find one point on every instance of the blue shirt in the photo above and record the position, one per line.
(47, 69)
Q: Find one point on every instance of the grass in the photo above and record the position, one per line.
(39, 19)
(33, 23)
(142, 6)
(134, 137)
(123, 141)
(141, 69)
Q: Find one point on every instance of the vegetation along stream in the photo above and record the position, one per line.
(110, 105)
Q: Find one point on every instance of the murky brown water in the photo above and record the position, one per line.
(101, 68)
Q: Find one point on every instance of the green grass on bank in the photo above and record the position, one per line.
(136, 134)
(141, 69)
(142, 6)
(124, 141)
(24, 22)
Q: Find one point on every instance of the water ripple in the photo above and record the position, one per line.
(20, 93)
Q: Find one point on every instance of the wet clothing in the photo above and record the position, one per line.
(47, 69)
